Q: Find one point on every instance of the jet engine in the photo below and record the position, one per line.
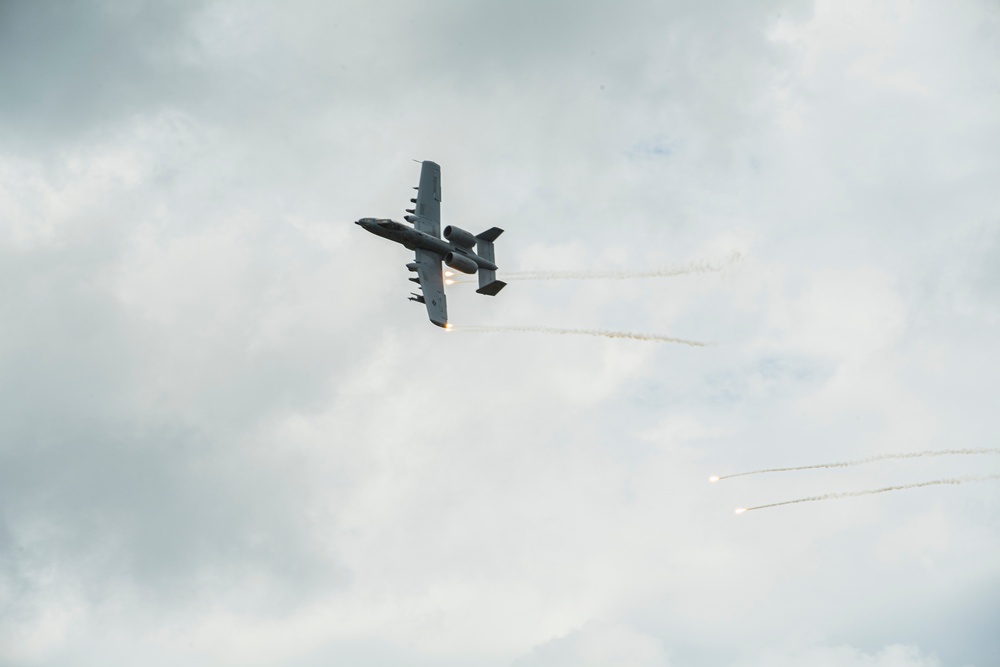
(459, 237)
(460, 262)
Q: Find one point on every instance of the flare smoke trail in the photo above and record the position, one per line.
(699, 266)
(581, 332)
(871, 492)
(858, 462)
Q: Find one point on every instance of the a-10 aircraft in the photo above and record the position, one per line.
(455, 250)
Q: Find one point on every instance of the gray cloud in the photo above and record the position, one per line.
(77, 68)
(227, 439)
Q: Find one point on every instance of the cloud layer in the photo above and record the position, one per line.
(227, 439)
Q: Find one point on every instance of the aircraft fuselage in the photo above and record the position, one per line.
(414, 238)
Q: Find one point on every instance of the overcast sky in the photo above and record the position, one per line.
(227, 439)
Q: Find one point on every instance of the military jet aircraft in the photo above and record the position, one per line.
(455, 250)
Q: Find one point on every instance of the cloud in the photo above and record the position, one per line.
(226, 438)
(843, 656)
(76, 69)
(599, 644)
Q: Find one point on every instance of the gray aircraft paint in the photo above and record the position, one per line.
(424, 238)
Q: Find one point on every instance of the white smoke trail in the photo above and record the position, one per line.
(581, 332)
(871, 492)
(699, 266)
(858, 462)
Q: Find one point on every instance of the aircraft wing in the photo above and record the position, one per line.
(432, 284)
(427, 212)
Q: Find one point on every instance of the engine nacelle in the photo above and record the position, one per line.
(459, 237)
(460, 262)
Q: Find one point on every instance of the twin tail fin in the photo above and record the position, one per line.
(488, 283)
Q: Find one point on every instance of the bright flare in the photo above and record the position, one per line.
(449, 274)
(740, 510)
(713, 478)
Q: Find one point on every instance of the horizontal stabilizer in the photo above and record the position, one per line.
(490, 235)
(492, 288)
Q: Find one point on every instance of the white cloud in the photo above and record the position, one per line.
(843, 656)
(599, 644)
